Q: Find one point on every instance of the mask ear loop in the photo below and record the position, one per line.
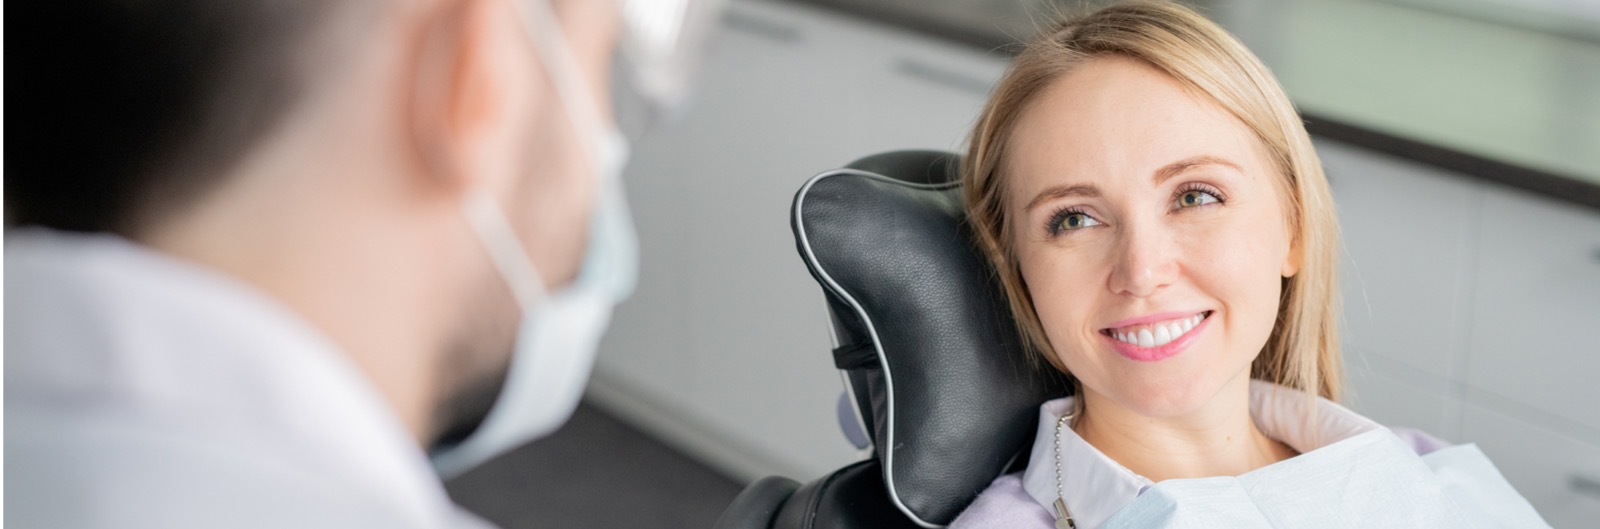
(550, 43)
(485, 215)
(505, 250)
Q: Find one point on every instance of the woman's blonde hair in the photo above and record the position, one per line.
(1303, 351)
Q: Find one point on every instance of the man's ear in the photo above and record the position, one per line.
(461, 106)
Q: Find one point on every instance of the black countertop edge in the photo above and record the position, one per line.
(1549, 184)
(1545, 183)
(912, 21)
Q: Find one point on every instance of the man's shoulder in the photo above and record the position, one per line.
(87, 472)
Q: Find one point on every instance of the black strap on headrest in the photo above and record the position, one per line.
(857, 355)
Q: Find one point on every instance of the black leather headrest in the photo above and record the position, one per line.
(924, 334)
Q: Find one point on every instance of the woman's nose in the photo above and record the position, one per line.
(1146, 262)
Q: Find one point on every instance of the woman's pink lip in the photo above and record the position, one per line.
(1156, 354)
(1163, 316)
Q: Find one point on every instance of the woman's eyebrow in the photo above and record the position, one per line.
(1175, 168)
(1161, 175)
(1062, 191)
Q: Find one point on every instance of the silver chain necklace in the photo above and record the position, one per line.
(1063, 518)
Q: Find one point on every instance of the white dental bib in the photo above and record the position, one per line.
(1355, 473)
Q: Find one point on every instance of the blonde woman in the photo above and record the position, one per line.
(1163, 227)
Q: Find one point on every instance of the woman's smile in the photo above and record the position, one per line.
(1156, 337)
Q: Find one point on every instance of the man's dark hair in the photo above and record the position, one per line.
(119, 109)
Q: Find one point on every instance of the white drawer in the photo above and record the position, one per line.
(1536, 311)
(1408, 231)
(1395, 395)
(1548, 468)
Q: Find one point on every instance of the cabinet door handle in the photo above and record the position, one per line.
(1584, 485)
(941, 76)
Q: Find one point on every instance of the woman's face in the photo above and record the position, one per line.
(1151, 232)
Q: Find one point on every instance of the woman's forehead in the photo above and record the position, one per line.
(1113, 120)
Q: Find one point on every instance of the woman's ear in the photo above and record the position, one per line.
(1294, 259)
(462, 109)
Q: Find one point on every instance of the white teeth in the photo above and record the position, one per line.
(1159, 334)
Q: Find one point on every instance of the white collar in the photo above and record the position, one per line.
(101, 325)
(1097, 487)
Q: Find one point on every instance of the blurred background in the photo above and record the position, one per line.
(1462, 140)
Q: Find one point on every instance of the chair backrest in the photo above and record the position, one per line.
(923, 332)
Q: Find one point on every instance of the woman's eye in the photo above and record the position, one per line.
(1073, 220)
(1196, 197)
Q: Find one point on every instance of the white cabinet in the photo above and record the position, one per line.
(1409, 233)
(1536, 307)
(1469, 309)
(1532, 369)
(1391, 398)
(1559, 475)
(724, 349)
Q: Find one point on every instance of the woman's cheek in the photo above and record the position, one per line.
(1246, 266)
(1065, 295)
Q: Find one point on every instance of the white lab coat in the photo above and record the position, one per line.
(142, 391)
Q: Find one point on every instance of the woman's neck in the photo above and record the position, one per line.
(1218, 439)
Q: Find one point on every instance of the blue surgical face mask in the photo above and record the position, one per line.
(560, 330)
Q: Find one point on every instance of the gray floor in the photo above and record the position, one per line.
(595, 472)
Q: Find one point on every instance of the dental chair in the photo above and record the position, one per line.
(937, 380)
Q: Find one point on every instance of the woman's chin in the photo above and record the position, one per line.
(1163, 398)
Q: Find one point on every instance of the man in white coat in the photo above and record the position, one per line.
(284, 263)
